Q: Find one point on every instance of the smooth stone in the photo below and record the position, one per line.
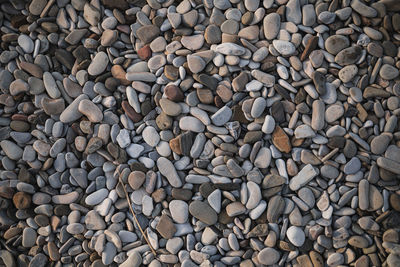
(26, 43)
(179, 211)
(12, 150)
(203, 212)
(189, 123)
(96, 197)
(222, 116)
(90, 110)
(347, 73)
(254, 195)
(303, 177)
(285, 48)
(296, 235)
(268, 256)
(98, 64)
(348, 56)
(230, 49)
(167, 169)
(388, 72)
(151, 136)
(271, 25)
(71, 113)
(134, 260)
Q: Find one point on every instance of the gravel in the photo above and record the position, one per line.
(199, 133)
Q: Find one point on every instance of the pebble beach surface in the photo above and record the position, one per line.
(199, 133)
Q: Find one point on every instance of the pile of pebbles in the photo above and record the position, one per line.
(246, 133)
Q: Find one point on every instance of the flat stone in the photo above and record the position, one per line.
(303, 177)
(96, 197)
(203, 212)
(148, 33)
(193, 42)
(285, 48)
(230, 49)
(268, 256)
(388, 72)
(167, 169)
(222, 116)
(179, 211)
(26, 43)
(93, 221)
(166, 227)
(12, 150)
(296, 236)
(271, 25)
(90, 110)
(348, 56)
(98, 64)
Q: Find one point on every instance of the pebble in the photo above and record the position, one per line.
(167, 169)
(237, 128)
(268, 256)
(296, 236)
(271, 25)
(203, 212)
(99, 64)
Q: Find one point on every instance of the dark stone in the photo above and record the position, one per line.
(65, 58)
(186, 142)
(209, 81)
(319, 82)
(336, 142)
(277, 112)
(81, 53)
(182, 194)
(206, 189)
(282, 91)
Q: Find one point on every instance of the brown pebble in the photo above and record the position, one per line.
(22, 200)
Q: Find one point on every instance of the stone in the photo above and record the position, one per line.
(93, 221)
(295, 235)
(303, 177)
(230, 49)
(268, 256)
(275, 208)
(285, 48)
(203, 212)
(90, 110)
(222, 116)
(293, 11)
(196, 64)
(348, 56)
(388, 72)
(147, 33)
(281, 140)
(271, 25)
(167, 169)
(179, 211)
(193, 42)
(12, 150)
(26, 43)
(347, 73)
(134, 260)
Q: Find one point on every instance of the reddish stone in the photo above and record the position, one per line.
(281, 140)
(22, 200)
(144, 53)
(130, 112)
(174, 93)
(166, 227)
(218, 101)
(119, 73)
(310, 46)
(175, 145)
